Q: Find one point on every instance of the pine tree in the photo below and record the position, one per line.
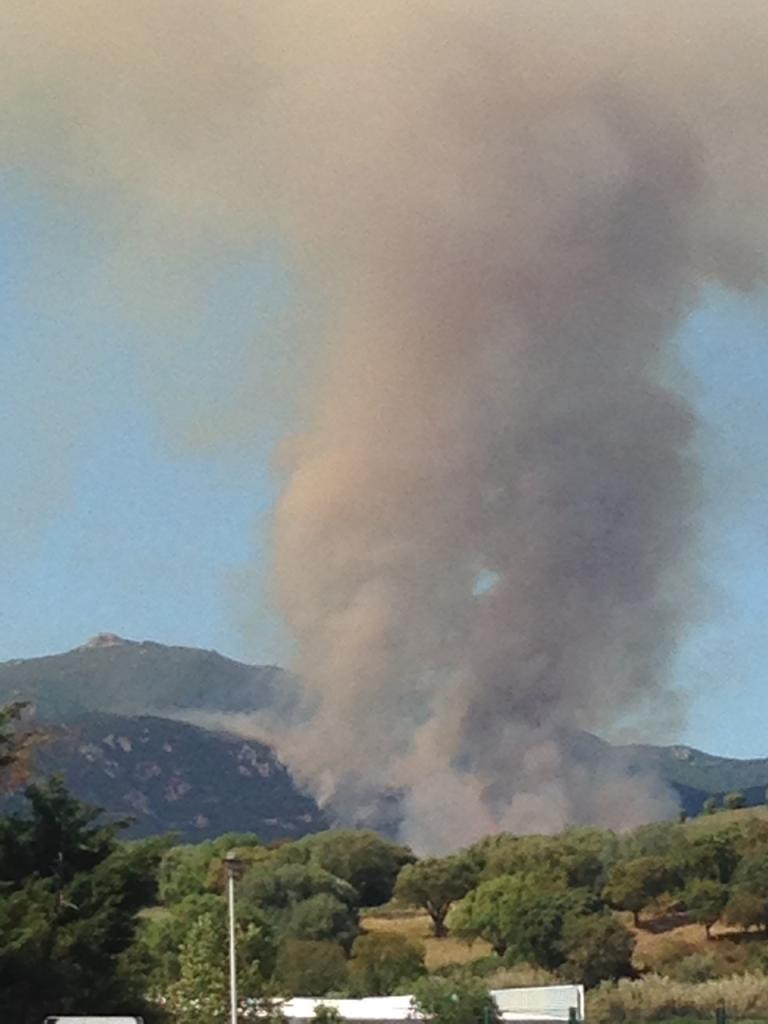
(201, 994)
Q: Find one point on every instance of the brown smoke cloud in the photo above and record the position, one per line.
(500, 214)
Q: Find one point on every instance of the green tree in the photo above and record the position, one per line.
(488, 912)
(322, 917)
(278, 886)
(306, 968)
(201, 993)
(710, 805)
(734, 801)
(361, 857)
(326, 1015)
(194, 868)
(579, 856)
(301, 901)
(633, 884)
(752, 836)
(449, 1001)
(746, 909)
(382, 963)
(435, 883)
(521, 915)
(596, 948)
(69, 901)
(748, 904)
(200, 996)
(59, 837)
(521, 855)
(715, 856)
(162, 935)
(659, 839)
(705, 899)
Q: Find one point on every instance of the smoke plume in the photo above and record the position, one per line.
(500, 214)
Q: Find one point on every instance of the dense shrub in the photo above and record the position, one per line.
(326, 1015)
(382, 963)
(597, 948)
(662, 956)
(696, 967)
(448, 1001)
(322, 917)
(307, 968)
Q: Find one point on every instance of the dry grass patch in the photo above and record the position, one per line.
(655, 998)
(705, 823)
(650, 944)
(418, 928)
(655, 946)
(521, 976)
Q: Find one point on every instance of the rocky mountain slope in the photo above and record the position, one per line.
(172, 777)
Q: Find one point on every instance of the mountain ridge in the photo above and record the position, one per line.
(111, 686)
(111, 673)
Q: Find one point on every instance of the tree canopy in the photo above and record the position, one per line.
(381, 963)
(361, 857)
(434, 884)
(454, 1001)
(69, 902)
(633, 884)
(521, 915)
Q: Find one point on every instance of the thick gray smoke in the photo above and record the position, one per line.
(501, 213)
(542, 198)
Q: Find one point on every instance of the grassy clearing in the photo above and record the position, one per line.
(705, 823)
(418, 928)
(661, 941)
(657, 934)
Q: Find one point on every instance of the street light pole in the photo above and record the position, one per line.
(232, 865)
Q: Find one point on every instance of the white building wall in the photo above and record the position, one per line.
(542, 1003)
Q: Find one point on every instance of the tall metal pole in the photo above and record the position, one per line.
(232, 950)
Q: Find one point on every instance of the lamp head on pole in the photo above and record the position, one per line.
(234, 865)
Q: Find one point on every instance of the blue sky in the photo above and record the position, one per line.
(118, 513)
(722, 662)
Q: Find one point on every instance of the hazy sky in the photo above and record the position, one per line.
(136, 526)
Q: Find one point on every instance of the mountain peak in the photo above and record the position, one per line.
(106, 640)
